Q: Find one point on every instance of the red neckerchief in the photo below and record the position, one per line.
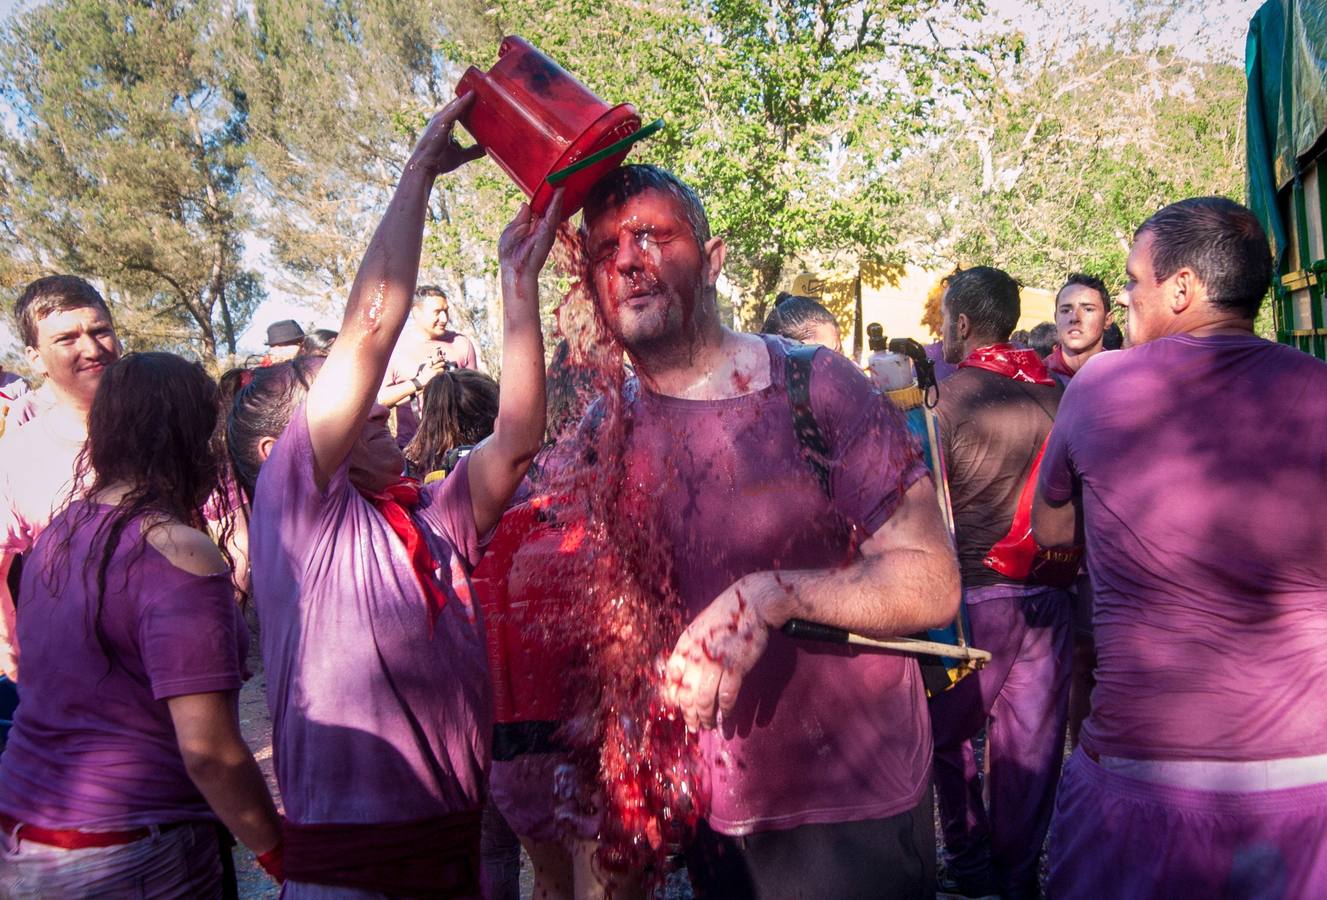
(1011, 362)
(1055, 363)
(395, 503)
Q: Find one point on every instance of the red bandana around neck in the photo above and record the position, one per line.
(1056, 363)
(395, 503)
(1011, 362)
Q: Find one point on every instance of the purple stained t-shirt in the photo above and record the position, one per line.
(820, 733)
(1202, 464)
(374, 720)
(93, 745)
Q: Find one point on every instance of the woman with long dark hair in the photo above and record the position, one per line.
(376, 675)
(458, 411)
(126, 748)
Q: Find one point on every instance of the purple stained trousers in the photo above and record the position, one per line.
(1118, 838)
(1022, 698)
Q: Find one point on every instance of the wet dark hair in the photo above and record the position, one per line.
(231, 382)
(1085, 280)
(1042, 338)
(150, 428)
(317, 342)
(262, 409)
(54, 293)
(988, 297)
(1222, 242)
(794, 316)
(625, 182)
(459, 409)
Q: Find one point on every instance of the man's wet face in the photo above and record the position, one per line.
(74, 347)
(647, 270)
(1080, 318)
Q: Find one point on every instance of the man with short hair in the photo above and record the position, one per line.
(1082, 317)
(995, 413)
(1082, 311)
(1196, 459)
(427, 346)
(817, 760)
(69, 338)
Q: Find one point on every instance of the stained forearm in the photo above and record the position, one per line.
(519, 427)
(396, 394)
(897, 594)
(233, 786)
(498, 464)
(904, 580)
(222, 767)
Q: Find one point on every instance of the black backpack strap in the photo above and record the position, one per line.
(797, 380)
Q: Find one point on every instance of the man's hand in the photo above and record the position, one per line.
(430, 367)
(524, 245)
(438, 152)
(720, 646)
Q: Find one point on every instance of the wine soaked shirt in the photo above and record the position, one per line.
(376, 718)
(1202, 465)
(94, 745)
(821, 733)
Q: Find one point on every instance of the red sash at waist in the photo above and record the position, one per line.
(430, 858)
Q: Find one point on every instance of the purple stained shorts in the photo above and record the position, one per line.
(1117, 837)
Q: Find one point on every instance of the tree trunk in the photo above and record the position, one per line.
(219, 296)
(751, 314)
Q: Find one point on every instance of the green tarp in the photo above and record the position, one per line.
(1285, 59)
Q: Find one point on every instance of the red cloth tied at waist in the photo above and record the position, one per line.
(430, 858)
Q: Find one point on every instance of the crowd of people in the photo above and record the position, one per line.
(1129, 533)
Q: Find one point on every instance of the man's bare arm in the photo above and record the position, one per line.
(905, 580)
(500, 461)
(342, 397)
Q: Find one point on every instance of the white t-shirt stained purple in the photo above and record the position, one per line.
(373, 719)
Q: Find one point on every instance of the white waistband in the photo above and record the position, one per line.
(1223, 775)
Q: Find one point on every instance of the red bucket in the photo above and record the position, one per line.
(535, 120)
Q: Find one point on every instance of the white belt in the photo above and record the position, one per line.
(1223, 775)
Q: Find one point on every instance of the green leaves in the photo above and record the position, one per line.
(126, 165)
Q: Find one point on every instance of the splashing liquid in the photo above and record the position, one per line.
(637, 765)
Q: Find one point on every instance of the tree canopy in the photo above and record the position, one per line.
(126, 164)
(149, 141)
